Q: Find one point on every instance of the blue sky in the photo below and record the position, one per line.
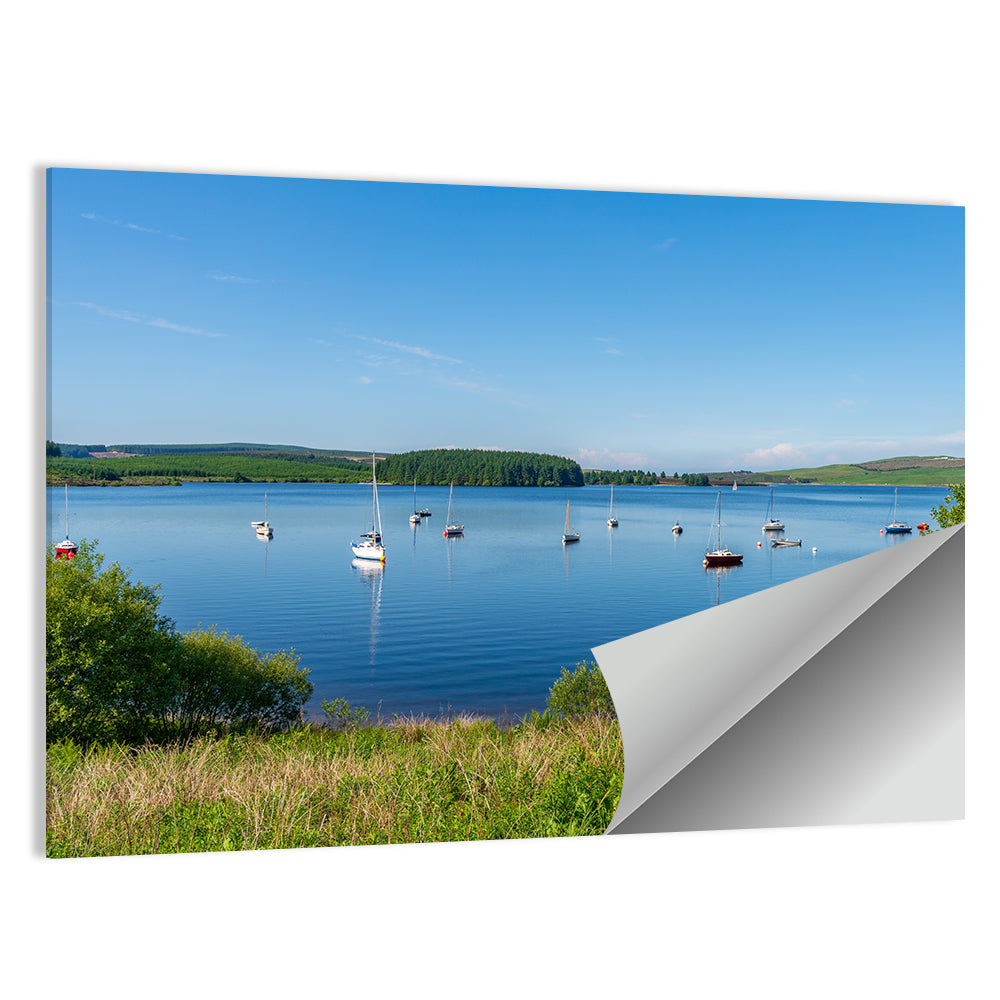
(671, 333)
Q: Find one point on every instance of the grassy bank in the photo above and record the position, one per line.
(412, 781)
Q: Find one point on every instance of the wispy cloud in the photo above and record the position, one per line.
(132, 317)
(179, 328)
(234, 278)
(666, 244)
(364, 380)
(614, 350)
(112, 313)
(422, 352)
(94, 217)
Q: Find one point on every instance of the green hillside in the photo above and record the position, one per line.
(909, 470)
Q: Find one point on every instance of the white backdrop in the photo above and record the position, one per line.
(892, 102)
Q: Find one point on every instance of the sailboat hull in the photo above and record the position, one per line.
(724, 558)
(362, 551)
(898, 529)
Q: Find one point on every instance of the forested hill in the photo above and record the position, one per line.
(475, 467)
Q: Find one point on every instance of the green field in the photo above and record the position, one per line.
(902, 471)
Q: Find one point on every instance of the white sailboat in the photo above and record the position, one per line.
(612, 520)
(263, 528)
(415, 516)
(451, 526)
(772, 523)
(569, 536)
(895, 527)
(720, 556)
(66, 549)
(370, 546)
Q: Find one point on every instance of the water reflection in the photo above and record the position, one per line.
(371, 572)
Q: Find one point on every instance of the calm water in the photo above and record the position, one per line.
(479, 623)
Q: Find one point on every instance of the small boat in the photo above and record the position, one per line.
(772, 523)
(569, 536)
(370, 546)
(66, 549)
(263, 528)
(734, 485)
(424, 512)
(415, 516)
(923, 526)
(721, 556)
(895, 527)
(677, 529)
(612, 520)
(452, 527)
(777, 543)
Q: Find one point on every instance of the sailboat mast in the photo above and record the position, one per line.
(376, 516)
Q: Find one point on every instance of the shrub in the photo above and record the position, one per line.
(223, 680)
(117, 670)
(110, 657)
(582, 691)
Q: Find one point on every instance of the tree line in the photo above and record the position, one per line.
(478, 467)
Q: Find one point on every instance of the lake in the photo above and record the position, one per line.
(476, 623)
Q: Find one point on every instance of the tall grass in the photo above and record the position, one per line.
(415, 780)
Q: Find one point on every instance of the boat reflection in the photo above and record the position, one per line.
(372, 573)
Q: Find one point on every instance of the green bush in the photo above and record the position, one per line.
(110, 657)
(952, 511)
(117, 670)
(580, 692)
(223, 680)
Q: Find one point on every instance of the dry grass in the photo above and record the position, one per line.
(412, 780)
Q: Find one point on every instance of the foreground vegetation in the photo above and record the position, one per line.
(162, 742)
(412, 781)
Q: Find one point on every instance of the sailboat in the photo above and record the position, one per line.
(772, 523)
(66, 549)
(734, 485)
(569, 536)
(895, 527)
(263, 528)
(370, 546)
(451, 527)
(721, 556)
(612, 520)
(415, 516)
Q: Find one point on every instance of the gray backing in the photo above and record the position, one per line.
(835, 698)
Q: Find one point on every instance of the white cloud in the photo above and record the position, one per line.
(780, 456)
(590, 458)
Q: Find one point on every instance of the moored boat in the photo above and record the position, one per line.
(452, 527)
(370, 546)
(772, 523)
(896, 527)
(66, 549)
(569, 536)
(263, 528)
(721, 555)
(612, 520)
